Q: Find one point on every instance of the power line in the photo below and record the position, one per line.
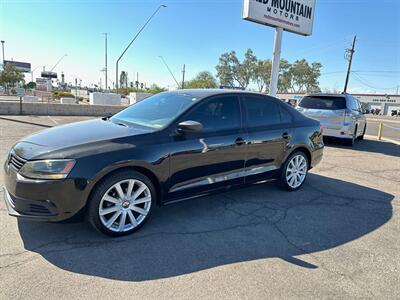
(365, 83)
(391, 71)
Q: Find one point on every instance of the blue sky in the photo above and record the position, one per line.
(196, 32)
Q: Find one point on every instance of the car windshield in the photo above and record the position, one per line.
(320, 102)
(156, 111)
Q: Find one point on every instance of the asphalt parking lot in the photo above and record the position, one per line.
(338, 237)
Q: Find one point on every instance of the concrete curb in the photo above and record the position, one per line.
(55, 109)
(372, 137)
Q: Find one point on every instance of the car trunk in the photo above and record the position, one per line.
(332, 119)
(330, 111)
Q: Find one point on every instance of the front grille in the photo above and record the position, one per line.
(11, 201)
(16, 161)
(38, 209)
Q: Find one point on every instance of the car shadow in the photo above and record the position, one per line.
(382, 147)
(257, 222)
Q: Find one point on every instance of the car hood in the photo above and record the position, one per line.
(67, 141)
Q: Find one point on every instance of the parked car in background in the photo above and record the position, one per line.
(341, 115)
(167, 148)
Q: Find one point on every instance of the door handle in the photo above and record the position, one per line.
(240, 141)
(286, 135)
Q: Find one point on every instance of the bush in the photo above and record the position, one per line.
(60, 94)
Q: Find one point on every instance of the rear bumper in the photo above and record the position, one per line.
(316, 157)
(343, 133)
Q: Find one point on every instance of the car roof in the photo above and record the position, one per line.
(203, 93)
(327, 95)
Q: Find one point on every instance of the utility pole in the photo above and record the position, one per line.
(2, 47)
(349, 56)
(183, 80)
(106, 68)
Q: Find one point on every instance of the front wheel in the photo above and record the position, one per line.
(121, 203)
(294, 171)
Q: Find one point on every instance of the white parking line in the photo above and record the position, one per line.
(54, 121)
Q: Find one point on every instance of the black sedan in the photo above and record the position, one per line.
(170, 147)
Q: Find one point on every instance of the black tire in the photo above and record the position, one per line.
(350, 142)
(93, 214)
(283, 182)
(360, 138)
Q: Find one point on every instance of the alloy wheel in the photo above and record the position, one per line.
(125, 205)
(296, 171)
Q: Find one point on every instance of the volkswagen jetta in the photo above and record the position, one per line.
(170, 147)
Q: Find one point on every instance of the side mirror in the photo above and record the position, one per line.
(189, 126)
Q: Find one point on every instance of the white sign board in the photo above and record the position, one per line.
(296, 16)
(20, 92)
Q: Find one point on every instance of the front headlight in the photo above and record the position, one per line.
(47, 169)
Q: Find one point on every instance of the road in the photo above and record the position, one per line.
(337, 237)
(391, 126)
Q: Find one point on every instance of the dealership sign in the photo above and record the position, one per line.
(19, 66)
(296, 16)
(46, 74)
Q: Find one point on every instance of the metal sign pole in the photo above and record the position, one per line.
(273, 88)
(20, 105)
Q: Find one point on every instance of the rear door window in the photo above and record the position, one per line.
(321, 102)
(286, 117)
(261, 111)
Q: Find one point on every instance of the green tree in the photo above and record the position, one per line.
(10, 76)
(155, 89)
(299, 77)
(305, 76)
(285, 77)
(230, 70)
(262, 74)
(244, 71)
(203, 80)
(225, 68)
(31, 85)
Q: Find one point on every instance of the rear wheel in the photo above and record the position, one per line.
(362, 136)
(122, 203)
(350, 142)
(294, 172)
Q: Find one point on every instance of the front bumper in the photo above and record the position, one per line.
(42, 200)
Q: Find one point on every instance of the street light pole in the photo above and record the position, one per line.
(183, 79)
(135, 37)
(32, 72)
(106, 69)
(170, 72)
(58, 62)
